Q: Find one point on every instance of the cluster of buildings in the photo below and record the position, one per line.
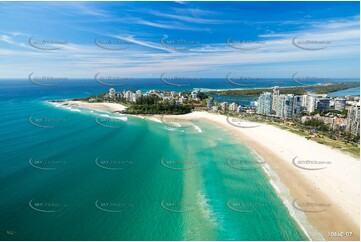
(288, 106)
(224, 107)
(131, 96)
(284, 106)
(273, 104)
(353, 119)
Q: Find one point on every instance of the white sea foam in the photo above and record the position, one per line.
(169, 128)
(56, 104)
(124, 118)
(175, 124)
(206, 209)
(285, 196)
(154, 120)
(197, 128)
(275, 187)
(75, 110)
(265, 171)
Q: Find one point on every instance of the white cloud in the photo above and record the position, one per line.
(150, 58)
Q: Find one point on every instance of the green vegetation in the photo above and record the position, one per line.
(332, 138)
(318, 124)
(95, 98)
(153, 105)
(323, 138)
(334, 112)
(202, 96)
(319, 89)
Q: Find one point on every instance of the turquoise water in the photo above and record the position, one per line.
(348, 92)
(65, 176)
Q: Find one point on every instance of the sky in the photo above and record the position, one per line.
(190, 39)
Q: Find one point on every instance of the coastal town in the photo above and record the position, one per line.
(294, 130)
(340, 113)
(337, 116)
(153, 101)
(193, 97)
(180, 120)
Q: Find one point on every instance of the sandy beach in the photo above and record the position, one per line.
(326, 193)
(103, 107)
(323, 197)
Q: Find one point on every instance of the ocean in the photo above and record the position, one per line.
(70, 174)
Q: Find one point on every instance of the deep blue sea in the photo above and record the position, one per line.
(72, 88)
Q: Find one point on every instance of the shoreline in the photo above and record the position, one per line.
(98, 106)
(336, 185)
